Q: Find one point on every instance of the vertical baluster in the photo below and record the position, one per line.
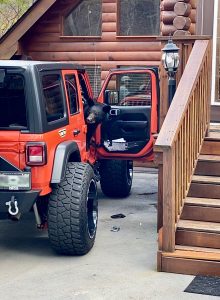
(191, 137)
(197, 122)
(176, 181)
(185, 156)
(193, 129)
(182, 165)
(179, 172)
(201, 77)
(187, 149)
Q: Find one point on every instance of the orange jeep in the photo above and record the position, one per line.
(48, 164)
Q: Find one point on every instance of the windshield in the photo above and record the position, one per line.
(12, 100)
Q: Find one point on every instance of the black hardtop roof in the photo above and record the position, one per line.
(40, 65)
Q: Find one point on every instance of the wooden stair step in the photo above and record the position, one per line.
(194, 254)
(207, 202)
(201, 209)
(214, 127)
(199, 226)
(192, 238)
(197, 249)
(208, 165)
(206, 179)
(204, 190)
(190, 262)
(209, 158)
(211, 146)
(213, 135)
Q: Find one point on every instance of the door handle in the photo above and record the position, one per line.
(114, 112)
(76, 132)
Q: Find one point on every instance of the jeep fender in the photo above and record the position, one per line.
(62, 156)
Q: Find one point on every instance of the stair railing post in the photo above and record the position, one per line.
(169, 218)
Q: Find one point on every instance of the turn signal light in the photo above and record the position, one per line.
(35, 154)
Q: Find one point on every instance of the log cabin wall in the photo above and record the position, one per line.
(178, 17)
(45, 41)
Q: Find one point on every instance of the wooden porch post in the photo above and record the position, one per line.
(168, 240)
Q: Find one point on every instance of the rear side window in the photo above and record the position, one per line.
(53, 97)
(12, 101)
(71, 88)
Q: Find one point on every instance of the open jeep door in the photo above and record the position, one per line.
(127, 132)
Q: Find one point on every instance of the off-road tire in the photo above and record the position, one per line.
(73, 211)
(116, 177)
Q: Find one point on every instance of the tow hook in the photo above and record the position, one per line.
(12, 206)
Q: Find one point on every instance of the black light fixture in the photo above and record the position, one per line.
(170, 60)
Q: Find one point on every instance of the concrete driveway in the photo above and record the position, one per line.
(122, 264)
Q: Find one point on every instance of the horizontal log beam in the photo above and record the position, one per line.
(192, 15)
(192, 28)
(182, 9)
(186, 1)
(167, 17)
(109, 17)
(109, 7)
(106, 37)
(88, 56)
(193, 3)
(181, 33)
(167, 29)
(49, 28)
(95, 46)
(181, 22)
(107, 65)
(168, 4)
(109, 27)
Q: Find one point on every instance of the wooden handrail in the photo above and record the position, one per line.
(181, 137)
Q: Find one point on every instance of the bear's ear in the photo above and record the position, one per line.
(106, 109)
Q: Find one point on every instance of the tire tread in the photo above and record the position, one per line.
(67, 212)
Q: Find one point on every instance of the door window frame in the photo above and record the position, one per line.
(48, 126)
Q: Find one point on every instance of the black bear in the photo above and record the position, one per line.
(94, 114)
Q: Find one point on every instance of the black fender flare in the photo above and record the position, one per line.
(62, 154)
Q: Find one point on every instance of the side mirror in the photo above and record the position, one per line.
(111, 97)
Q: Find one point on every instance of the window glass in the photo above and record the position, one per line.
(71, 87)
(139, 17)
(84, 91)
(94, 73)
(12, 100)
(131, 89)
(52, 91)
(84, 19)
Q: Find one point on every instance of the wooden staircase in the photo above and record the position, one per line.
(187, 152)
(197, 236)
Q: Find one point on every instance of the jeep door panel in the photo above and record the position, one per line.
(128, 130)
(129, 123)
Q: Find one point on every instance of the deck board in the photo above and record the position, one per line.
(193, 255)
(206, 179)
(197, 249)
(198, 226)
(202, 202)
(209, 158)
